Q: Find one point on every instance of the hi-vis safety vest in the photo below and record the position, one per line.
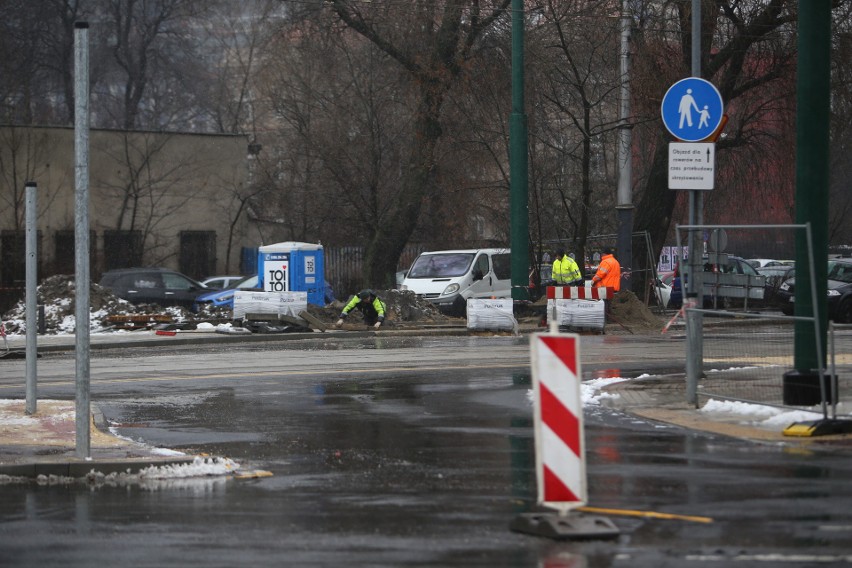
(565, 270)
(355, 302)
(609, 273)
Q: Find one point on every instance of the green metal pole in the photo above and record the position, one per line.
(812, 146)
(518, 159)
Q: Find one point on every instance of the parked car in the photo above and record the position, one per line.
(775, 277)
(225, 298)
(221, 282)
(447, 278)
(736, 265)
(839, 284)
(159, 286)
(840, 292)
(663, 288)
(763, 262)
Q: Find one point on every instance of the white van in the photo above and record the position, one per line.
(447, 278)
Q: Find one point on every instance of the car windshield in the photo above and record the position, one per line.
(842, 272)
(246, 283)
(441, 265)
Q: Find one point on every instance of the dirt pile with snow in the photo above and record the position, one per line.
(57, 294)
(404, 309)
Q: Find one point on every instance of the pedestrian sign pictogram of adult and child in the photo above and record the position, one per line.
(692, 109)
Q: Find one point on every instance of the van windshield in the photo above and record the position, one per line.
(441, 265)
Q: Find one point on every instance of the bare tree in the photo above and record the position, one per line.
(24, 156)
(577, 106)
(840, 210)
(153, 184)
(240, 35)
(154, 56)
(432, 42)
(747, 50)
(32, 44)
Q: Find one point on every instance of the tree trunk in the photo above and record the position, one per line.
(387, 242)
(654, 212)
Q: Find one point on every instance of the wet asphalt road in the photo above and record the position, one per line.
(408, 453)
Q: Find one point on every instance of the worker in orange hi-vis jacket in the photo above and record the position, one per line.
(609, 272)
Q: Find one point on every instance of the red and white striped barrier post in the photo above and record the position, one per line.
(559, 442)
(559, 437)
(580, 293)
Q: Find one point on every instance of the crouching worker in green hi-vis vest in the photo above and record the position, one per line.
(370, 305)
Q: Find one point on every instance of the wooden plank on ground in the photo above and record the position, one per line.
(313, 320)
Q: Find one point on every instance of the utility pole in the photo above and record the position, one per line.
(82, 407)
(625, 170)
(31, 297)
(518, 162)
(695, 285)
(812, 176)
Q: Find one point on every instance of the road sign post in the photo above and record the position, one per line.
(692, 109)
(692, 165)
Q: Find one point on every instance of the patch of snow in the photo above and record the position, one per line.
(759, 414)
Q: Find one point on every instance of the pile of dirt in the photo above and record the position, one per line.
(404, 307)
(57, 294)
(628, 314)
(628, 310)
(401, 306)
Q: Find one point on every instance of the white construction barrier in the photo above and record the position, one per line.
(577, 314)
(277, 303)
(491, 314)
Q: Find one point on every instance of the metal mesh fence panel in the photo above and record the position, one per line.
(747, 361)
(840, 364)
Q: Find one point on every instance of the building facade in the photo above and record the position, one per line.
(155, 199)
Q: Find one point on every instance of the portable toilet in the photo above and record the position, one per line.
(292, 267)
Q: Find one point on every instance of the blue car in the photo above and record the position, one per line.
(225, 298)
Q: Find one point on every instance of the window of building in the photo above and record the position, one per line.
(122, 249)
(64, 257)
(198, 253)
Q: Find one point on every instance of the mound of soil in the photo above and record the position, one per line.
(57, 294)
(627, 313)
(628, 310)
(402, 306)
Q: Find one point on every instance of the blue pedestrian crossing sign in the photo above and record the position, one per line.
(692, 109)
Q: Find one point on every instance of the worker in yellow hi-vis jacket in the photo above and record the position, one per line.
(565, 270)
(370, 305)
